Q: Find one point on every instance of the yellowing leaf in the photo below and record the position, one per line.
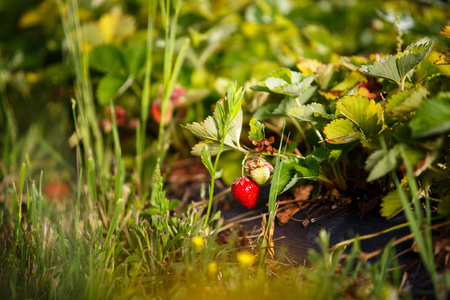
(444, 59)
(391, 204)
(445, 30)
(112, 28)
(256, 130)
(311, 67)
(342, 131)
(350, 81)
(365, 113)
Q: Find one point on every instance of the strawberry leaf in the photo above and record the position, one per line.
(308, 168)
(432, 117)
(391, 204)
(364, 113)
(206, 159)
(107, 58)
(209, 130)
(396, 68)
(380, 163)
(110, 86)
(288, 174)
(313, 112)
(402, 104)
(342, 131)
(256, 130)
(286, 82)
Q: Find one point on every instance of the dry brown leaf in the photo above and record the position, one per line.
(303, 192)
(285, 214)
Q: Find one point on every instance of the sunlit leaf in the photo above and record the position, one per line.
(256, 130)
(313, 112)
(445, 30)
(400, 105)
(209, 130)
(288, 102)
(342, 131)
(116, 26)
(444, 59)
(391, 204)
(364, 112)
(395, 68)
(284, 81)
(432, 117)
(313, 67)
(350, 81)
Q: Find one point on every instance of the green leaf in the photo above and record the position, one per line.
(432, 117)
(256, 130)
(209, 130)
(295, 90)
(364, 112)
(288, 174)
(444, 206)
(391, 204)
(286, 82)
(206, 159)
(402, 104)
(308, 168)
(313, 112)
(109, 86)
(379, 163)
(350, 81)
(395, 68)
(288, 102)
(331, 152)
(342, 131)
(294, 169)
(135, 58)
(107, 58)
(438, 83)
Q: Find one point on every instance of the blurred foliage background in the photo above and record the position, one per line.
(231, 40)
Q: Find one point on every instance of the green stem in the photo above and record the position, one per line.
(213, 177)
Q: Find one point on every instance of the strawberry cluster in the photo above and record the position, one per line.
(246, 189)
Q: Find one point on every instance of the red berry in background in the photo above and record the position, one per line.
(56, 190)
(155, 110)
(246, 191)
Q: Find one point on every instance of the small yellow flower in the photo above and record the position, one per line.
(198, 242)
(245, 258)
(212, 268)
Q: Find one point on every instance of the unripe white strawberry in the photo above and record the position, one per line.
(260, 174)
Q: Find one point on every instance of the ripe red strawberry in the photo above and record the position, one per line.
(246, 191)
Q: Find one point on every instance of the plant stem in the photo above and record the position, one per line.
(213, 176)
